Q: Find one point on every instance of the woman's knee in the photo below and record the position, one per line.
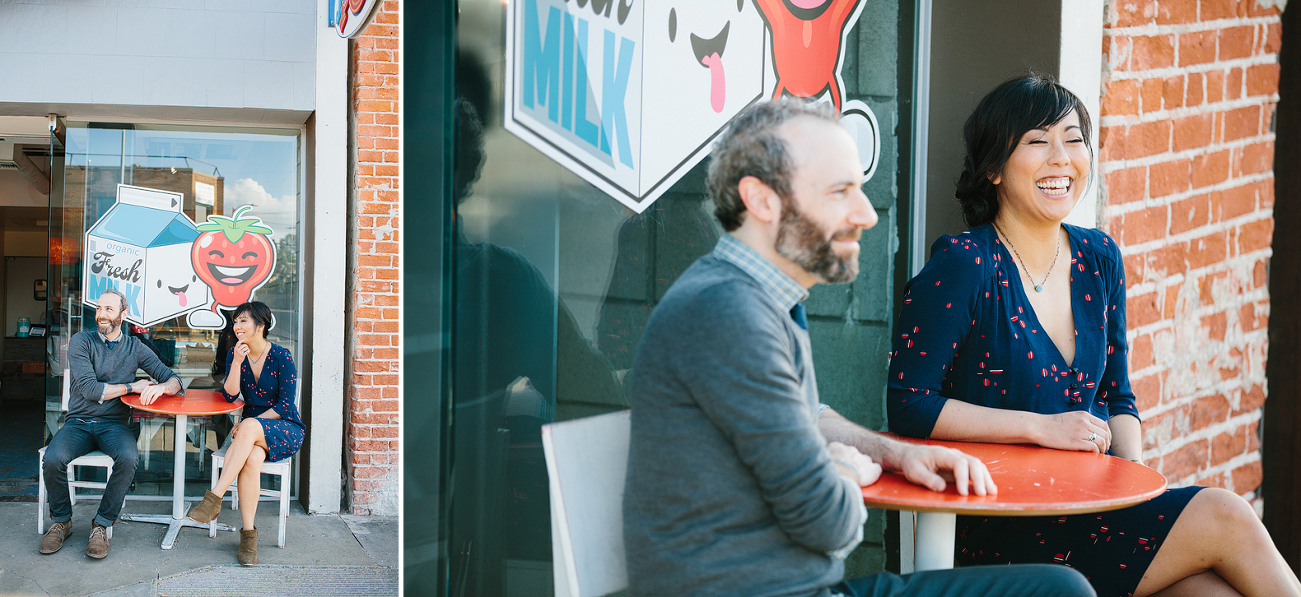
(249, 430)
(1226, 510)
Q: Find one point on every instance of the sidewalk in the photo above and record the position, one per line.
(324, 555)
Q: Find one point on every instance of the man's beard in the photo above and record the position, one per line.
(808, 245)
(107, 328)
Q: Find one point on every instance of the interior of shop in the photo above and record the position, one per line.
(25, 168)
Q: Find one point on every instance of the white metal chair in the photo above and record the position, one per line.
(586, 461)
(281, 469)
(95, 458)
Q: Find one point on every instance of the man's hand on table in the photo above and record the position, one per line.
(854, 464)
(150, 393)
(933, 467)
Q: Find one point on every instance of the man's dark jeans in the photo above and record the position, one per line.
(79, 437)
(1024, 580)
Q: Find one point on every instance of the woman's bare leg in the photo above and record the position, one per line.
(1206, 584)
(1218, 531)
(247, 435)
(250, 485)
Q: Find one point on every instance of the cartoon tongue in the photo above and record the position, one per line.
(181, 297)
(717, 83)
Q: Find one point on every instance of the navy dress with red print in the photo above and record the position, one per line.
(276, 389)
(967, 332)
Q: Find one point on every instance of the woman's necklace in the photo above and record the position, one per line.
(259, 358)
(1039, 287)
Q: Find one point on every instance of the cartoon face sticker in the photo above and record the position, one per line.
(704, 64)
(233, 256)
(176, 287)
(807, 37)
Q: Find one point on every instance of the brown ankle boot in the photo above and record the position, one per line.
(207, 509)
(248, 547)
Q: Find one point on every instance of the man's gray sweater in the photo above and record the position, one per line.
(730, 489)
(93, 364)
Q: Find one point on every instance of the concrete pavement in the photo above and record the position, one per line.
(323, 555)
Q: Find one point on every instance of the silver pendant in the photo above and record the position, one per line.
(1038, 287)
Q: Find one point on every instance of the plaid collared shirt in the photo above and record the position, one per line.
(781, 287)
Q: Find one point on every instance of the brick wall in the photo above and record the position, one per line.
(371, 454)
(1186, 152)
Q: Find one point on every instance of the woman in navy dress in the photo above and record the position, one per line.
(271, 429)
(1014, 332)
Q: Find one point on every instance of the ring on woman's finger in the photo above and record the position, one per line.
(1093, 436)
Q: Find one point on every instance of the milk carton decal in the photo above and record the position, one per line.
(234, 256)
(141, 248)
(632, 95)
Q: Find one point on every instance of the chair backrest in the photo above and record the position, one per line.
(67, 388)
(587, 460)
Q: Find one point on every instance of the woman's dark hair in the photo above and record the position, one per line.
(995, 128)
(259, 312)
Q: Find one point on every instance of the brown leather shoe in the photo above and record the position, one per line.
(248, 547)
(207, 510)
(97, 547)
(53, 539)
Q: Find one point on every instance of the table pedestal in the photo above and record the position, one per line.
(178, 519)
(934, 547)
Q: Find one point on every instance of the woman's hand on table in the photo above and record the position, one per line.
(854, 464)
(1077, 430)
(933, 467)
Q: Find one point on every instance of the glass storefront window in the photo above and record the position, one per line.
(554, 279)
(135, 200)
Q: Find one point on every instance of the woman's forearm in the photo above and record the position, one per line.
(961, 421)
(1126, 437)
(231, 385)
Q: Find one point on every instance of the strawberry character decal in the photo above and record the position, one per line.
(807, 36)
(234, 256)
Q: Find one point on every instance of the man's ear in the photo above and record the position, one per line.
(761, 202)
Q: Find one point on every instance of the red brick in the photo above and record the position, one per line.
(1150, 94)
(1169, 259)
(1260, 274)
(1143, 225)
(1238, 201)
(1172, 299)
(1217, 9)
(1186, 461)
(1193, 131)
(1254, 236)
(1214, 325)
(1140, 353)
(1133, 13)
(1233, 84)
(1197, 47)
(1121, 98)
(1147, 391)
(1157, 51)
(1190, 213)
(1168, 178)
(1273, 38)
(1262, 79)
(1214, 85)
(1208, 411)
(1237, 42)
(1208, 250)
(1240, 123)
(1143, 310)
(1172, 92)
(1247, 477)
(1252, 399)
(1175, 12)
(1255, 158)
(1209, 169)
(1144, 139)
(1126, 185)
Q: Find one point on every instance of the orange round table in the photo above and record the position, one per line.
(182, 406)
(1031, 481)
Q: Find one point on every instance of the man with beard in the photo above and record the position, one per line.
(732, 488)
(102, 365)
